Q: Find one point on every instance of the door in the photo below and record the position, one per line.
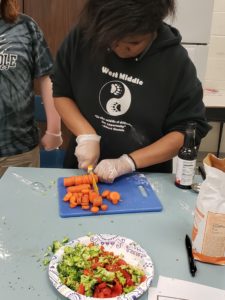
(21, 5)
(55, 18)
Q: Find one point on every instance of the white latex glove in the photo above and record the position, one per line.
(108, 169)
(51, 141)
(87, 150)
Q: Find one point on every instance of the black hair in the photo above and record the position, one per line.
(106, 21)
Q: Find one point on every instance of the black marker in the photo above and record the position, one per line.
(191, 260)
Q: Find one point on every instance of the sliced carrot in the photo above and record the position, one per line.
(73, 204)
(85, 191)
(85, 207)
(114, 196)
(90, 176)
(85, 200)
(67, 196)
(104, 207)
(83, 203)
(73, 198)
(92, 196)
(97, 201)
(79, 199)
(115, 201)
(105, 193)
(94, 209)
(85, 196)
(69, 181)
(78, 188)
(86, 179)
(78, 180)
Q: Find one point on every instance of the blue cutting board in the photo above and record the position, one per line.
(136, 193)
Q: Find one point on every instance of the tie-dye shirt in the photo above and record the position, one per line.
(24, 55)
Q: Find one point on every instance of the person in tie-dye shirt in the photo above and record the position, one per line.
(24, 56)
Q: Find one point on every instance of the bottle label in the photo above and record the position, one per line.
(185, 171)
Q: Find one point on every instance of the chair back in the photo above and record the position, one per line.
(53, 158)
(39, 111)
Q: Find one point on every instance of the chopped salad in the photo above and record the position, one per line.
(92, 271)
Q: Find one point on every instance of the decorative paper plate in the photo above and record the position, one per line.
(132, 253)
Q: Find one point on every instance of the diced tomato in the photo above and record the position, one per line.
(96, 265)
(98, 292)
(121, 262)
(102, 291)
(102, 285)
(143, 278)
(95, 259)
(99, 279)
(107, 253)
(107, 292)
(87, 272)
(126, 274)
(99, 295)
(112, 268)
(81, 289)
(117, 289)
(129, 282)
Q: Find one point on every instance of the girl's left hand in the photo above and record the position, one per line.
(108, 169)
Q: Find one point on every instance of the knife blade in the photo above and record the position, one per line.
(90, 171)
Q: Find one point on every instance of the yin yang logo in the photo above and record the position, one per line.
(115, 98)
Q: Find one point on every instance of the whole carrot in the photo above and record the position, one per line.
(79, 179)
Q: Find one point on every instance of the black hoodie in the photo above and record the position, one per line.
(131, 103)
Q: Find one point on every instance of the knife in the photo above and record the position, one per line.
(90, 171)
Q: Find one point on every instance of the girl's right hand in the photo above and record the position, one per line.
(87, 150)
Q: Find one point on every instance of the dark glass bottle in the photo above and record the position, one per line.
(186, 161)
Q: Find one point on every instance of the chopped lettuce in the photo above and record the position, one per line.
(105, 275)
(89, 283)
(121, 278)
(52, 249)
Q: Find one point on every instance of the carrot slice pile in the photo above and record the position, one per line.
(80, 192)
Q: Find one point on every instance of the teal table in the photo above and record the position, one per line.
(29, 222)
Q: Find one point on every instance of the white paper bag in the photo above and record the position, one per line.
(208, 236)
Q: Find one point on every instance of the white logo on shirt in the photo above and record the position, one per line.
(7, 60)
(115, 98)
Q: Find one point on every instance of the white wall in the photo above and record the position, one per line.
(215, 74)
